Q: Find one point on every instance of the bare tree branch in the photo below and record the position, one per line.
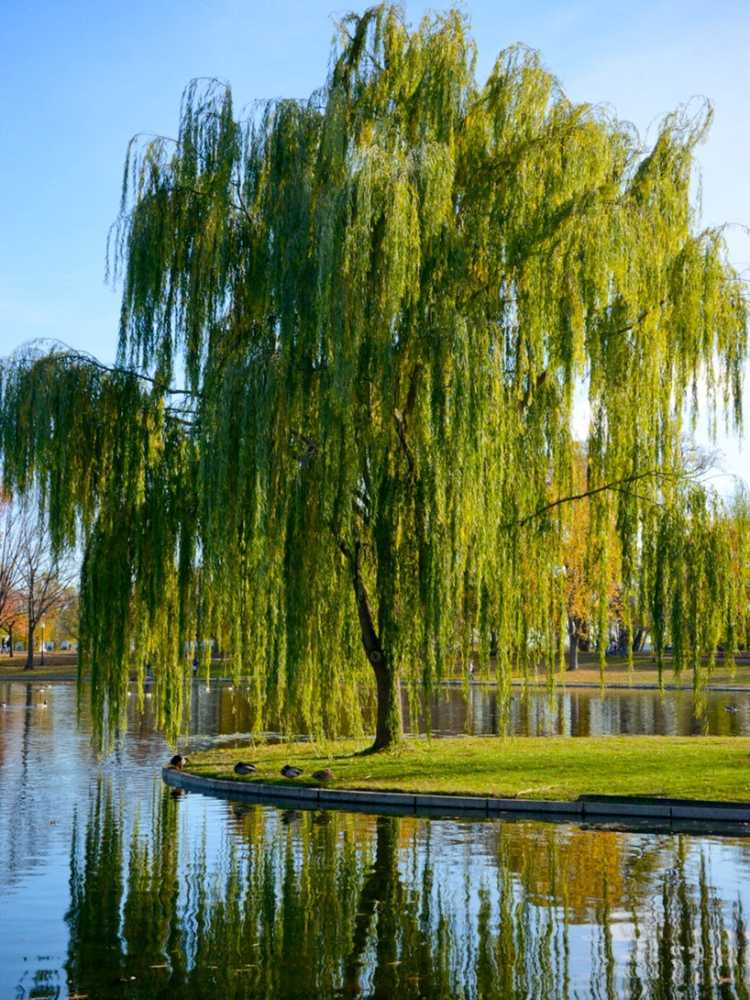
(615, 485)
(44, 577)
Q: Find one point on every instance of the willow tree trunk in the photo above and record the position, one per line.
(572, 644)
(388, 727)
(388, 724)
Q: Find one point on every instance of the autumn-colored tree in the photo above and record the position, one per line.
(590, 569)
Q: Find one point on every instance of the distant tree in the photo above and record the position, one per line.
(383, 300)
(590, 568)
(738, 536)
(68, 618)
(44, 577)
(14, 619)
(612, 592)
(11, 604)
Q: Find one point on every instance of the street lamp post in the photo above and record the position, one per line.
(42, 661)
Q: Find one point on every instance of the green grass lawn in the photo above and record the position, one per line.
(707, 767)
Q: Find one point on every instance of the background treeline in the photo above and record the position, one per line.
(655, 594)
(38, 592)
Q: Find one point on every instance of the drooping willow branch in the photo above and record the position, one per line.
(63, 352)
(681, 476)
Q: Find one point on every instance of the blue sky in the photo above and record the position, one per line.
(78, 78)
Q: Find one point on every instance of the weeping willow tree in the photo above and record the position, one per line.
(352, 331)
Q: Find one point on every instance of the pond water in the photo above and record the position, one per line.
(589, 712)
(111, 887)
(225, 709)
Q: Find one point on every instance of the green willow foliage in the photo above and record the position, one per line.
(382, 300)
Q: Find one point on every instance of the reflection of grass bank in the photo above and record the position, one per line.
(707, 767)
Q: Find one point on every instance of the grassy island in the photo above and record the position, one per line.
(562, 768)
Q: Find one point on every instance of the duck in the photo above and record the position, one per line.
(731, 708)
(326, 774)
(178, 761)
(241, 768)
(291, 772)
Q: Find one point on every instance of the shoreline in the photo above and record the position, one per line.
(32, 676)
(658, 772)
(672, 814)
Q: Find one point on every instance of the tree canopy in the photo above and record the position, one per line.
(378, 305)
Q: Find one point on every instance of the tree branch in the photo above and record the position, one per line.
(400, 416)
(401, 431)
(70, 354)
(638, 320)
(615, 485)
(525, 401)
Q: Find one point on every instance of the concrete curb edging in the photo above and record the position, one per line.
(598, 808)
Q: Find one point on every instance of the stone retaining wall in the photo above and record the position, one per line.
(717, 815)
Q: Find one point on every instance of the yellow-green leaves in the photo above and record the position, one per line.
(385, 300)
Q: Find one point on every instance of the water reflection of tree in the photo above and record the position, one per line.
(578, 868)
(96, 890)
(324, 905)
(25, 727)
